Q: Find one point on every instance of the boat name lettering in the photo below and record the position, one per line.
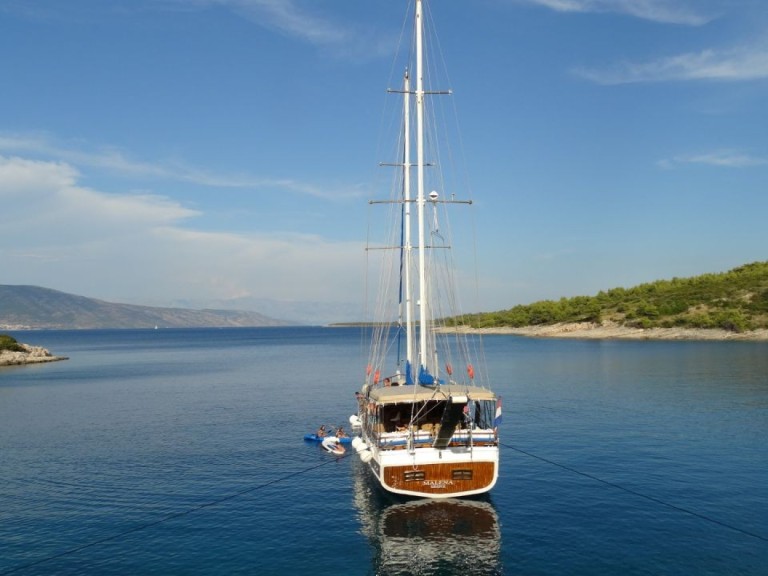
(438, 483)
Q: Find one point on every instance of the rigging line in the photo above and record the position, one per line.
(639, 494)
(168, 517)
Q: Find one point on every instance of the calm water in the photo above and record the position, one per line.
(181, 452)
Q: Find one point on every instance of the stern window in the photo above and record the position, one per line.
(413, 475)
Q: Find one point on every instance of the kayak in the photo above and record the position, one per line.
(316, 438)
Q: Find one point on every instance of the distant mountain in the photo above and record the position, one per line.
(311, 313)
(35, 307)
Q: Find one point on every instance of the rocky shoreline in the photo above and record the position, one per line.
(30, 355)
(594, 331)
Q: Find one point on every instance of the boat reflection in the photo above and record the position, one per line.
(428, 536)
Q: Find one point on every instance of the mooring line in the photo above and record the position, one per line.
(639, 494)
(341, 457)
(170, 517)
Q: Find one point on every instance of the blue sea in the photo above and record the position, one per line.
(182, 452)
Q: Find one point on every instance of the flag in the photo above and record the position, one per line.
(497, 417)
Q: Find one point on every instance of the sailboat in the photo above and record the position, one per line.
(425, 429)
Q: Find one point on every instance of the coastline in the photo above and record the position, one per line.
(31, 355)
(609, 331)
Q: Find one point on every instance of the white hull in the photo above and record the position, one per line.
(398, 471)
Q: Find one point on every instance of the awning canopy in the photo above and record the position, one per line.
(416, 393)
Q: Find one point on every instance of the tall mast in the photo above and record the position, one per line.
(423, 304)
(407, 223)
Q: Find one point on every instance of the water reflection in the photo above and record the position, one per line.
(427, 536)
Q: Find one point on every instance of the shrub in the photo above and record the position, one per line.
(732, 320)
(10, 343)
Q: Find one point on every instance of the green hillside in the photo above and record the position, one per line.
(736, 300)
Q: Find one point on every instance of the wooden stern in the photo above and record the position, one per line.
(441, 479)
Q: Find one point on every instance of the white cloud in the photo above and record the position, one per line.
(299, 19)
(738, 64)
(723, 158)
(19, 177)
(116, 161)
(43, 204)
(287, 16)
(143, 248)
(664, 11)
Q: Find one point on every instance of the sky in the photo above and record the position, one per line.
(221, 153)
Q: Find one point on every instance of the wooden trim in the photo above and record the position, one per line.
(440, 478)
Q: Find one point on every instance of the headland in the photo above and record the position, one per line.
(27, 355)
(614, 331)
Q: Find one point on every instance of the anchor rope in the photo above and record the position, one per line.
(638, 494)
(170, 517)
(245, 491)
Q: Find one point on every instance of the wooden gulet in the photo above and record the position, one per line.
(424, 431)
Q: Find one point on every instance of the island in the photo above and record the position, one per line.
(14, 353)
(730, 305)
(616, 331)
